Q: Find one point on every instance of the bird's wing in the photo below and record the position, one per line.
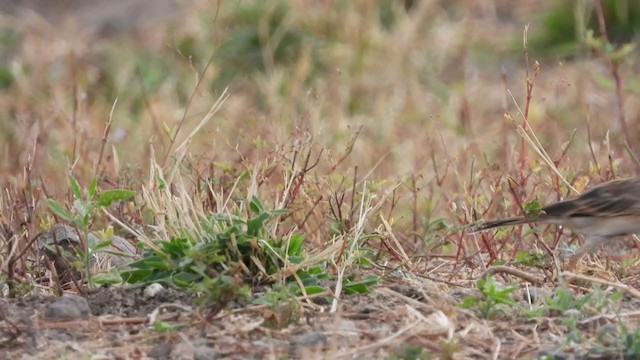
(615, 198)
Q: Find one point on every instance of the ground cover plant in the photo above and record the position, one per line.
(298, 179)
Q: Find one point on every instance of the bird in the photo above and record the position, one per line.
(602, 213)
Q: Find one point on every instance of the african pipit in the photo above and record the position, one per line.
(602, 213)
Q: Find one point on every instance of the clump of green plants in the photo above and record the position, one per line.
(261, 35)
(494, 299)
(236, 249)
(226, 253)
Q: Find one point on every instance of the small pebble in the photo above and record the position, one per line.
(161, 351)
(152, 290)
(68, 307)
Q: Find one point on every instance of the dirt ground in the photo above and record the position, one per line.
(119, 327)
(389, 321)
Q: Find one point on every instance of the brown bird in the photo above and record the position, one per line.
(601, 213)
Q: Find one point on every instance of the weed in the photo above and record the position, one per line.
(85, 208)
(411, 352)
(494, 300)
(282, 307)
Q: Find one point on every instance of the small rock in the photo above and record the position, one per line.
(152, 290)
(120, 254)
(68, 307)
(204, 353)
(121, 251)
(573, 313)
(161, 351)
(310, 339)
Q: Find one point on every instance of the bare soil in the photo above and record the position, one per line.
(392, 319)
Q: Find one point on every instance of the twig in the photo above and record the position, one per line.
(512, 271)
(105, 137)
(620, 286)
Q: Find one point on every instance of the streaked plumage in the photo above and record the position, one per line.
(605, 211)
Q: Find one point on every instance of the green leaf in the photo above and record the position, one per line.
(469, 302)
(254, 225)
(176, 247)
(151, 262)
(185, 279)
(162, 326)
(296, 259)
(6, 78)
(77, 191)
(92, 190)
(314, 289)
(533, 208)
(60, 210)
(109, 197)
(161, 183)
(102, 244)
(136, 276)
(295, 245)
(84, 209)
(107, 278)
(617, 296)
(256, 206)
(362, 286)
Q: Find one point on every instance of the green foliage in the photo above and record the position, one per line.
(282, 306)
(312, 278)
(631, 344)
(6, 78)
(230, 241)
(390, 11)
(411, 352)
(236, 247)
(616, 342)
(494, 300)
(591, 303)
(9, 38)
(209, 267)
(566, 25)
(162, 326)
(259, 26)
(359, 287)
(533, 208)
(528, 258)
(85, 207)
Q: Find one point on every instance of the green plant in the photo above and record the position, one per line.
(494, 299)
(231, 242)
(630, 343)
(85, 207)
(533, 208)
(411, 352)
(566, 25)
(262, 35)
(233, 247)
(282, 307)
(592, 303)
(529, 258)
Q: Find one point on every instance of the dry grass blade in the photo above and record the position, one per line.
(531, 139)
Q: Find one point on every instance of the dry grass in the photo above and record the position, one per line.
(408, 132)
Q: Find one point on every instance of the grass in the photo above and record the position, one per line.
(319, 149)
